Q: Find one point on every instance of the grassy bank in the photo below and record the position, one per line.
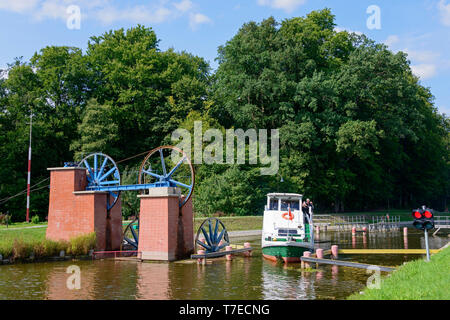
(18, 245)
(416, 280)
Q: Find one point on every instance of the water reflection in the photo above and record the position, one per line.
(286, 285)
(242, 278)
(153, 281)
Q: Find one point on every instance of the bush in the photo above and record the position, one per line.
(5, 250)
(35, 219)
(5, 219)
(53, 248)
(82, 244)
(21, 250)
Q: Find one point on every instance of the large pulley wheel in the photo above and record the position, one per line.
(131, 235)
(168, 166)
(212, 236)
(102, 171)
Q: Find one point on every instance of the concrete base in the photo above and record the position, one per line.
(165, 232)
(73, 211)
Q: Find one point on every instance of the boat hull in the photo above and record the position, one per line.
(287, 254)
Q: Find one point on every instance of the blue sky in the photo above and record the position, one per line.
(419, 27)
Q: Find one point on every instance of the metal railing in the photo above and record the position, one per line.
(343, 223)
(442, 221)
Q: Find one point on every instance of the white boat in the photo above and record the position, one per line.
(287, 232)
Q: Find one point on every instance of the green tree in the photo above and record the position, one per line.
(357, 130)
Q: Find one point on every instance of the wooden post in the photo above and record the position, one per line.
(247, 253)
(319, 255)
(201, 260)
(305, 265)
(334, 251)
(229, 256)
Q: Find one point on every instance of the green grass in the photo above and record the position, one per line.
(7, 237)
(21, 225)
(235, 223)
(416, 280)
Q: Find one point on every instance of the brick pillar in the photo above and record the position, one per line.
(73, 212)
(164, 233)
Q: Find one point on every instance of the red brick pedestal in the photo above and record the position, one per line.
(73, 211)
(165, 233)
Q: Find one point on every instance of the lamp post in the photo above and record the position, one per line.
(281, 181)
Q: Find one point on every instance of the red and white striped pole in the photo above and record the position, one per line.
(29, 171)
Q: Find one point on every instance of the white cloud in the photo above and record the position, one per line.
(52, 9)
(183, 6)
(423, 62)
(19, 6)
(422, 56)
(340, 29)
(424, 70)
(3, 72)
(444, 9)
(196, 19)
(392, 40)
(108, 11)
(286, 5)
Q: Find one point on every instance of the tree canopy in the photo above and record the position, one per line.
(358, 131)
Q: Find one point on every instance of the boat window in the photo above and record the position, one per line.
(273, 204)
(287, 232)
(293, 204)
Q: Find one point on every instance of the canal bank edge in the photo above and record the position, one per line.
(414, 280)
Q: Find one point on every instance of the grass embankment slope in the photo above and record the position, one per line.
(20, 241)
(415, 280)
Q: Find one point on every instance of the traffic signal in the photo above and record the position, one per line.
(423, 218)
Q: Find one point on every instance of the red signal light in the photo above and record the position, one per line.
(417, 214)
(428, 214)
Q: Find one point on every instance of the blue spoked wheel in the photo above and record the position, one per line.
(131, 235)
(102, 171)
(212, 236)
(169, 166)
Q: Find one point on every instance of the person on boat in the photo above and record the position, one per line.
(307, 208)
(309, 204)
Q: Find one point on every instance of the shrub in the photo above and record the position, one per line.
(39, 250)
(53, 248)
(5, 219)
(82, 244)
(21, 250)
(5, 250)
(35, 219)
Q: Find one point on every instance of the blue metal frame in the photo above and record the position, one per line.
(165, 180)
(134, 229)
(109, 181)
(98, 179)
(131, 187)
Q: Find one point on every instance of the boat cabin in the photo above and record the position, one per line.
(287, 232)
(283, 217)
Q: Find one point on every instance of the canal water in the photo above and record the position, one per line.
(242, 278)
